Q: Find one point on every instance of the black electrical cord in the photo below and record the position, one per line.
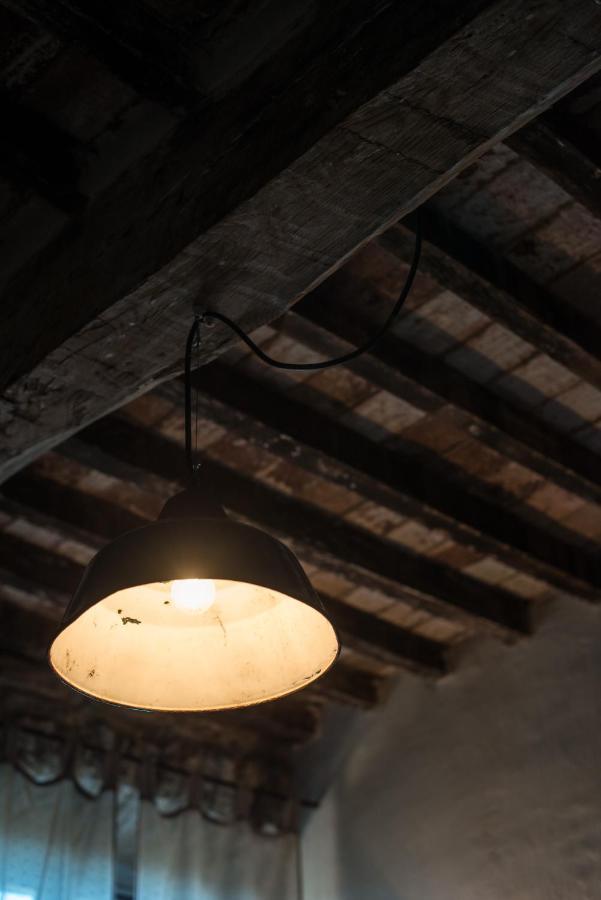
(352, 354)
(194, 335)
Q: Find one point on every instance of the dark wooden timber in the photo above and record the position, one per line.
(131, 39)
(310, 526)
(36, 155)
(313, 322)
(28, 594)
(207, 152)
(541, 144)
(484, 278)
(24, 558)
(344, 684)
(525, 539)
(270, 241)
(99, 518)
(368, 634)
(91, 456)
(325, 322)
(24, 632)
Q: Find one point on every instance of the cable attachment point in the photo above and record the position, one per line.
(207, 320)
(346, 357)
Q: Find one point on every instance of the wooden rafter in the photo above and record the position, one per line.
(140, 46)
(368, 634)
(499, 289)
(370, 169)
(555, 155)
(397, 480)
(209, 158)
(309, 526)
(37, 155)
(326, 322)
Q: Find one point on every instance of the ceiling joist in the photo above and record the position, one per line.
(309, 526)
(503, 292)
(428, 113)
(325, 324)
(397, 480)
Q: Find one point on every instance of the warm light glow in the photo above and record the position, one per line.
(194, 594)
(139, 647)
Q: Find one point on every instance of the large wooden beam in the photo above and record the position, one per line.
(396, 479)
(371, 635)
(554, 154)
(40, 564)
(351, 686)
(224, 151)
(309, 526)
(132, 40)
(499, 289)
(329, 320)
(37, 155)
(99, 518)
(475, 89)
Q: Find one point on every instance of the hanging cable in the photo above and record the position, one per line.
(352, 354)
(193, 337)
(194, 340)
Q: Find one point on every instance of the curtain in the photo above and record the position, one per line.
(55, 843)
(188, 858)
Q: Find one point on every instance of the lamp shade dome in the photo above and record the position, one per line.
(193, 612)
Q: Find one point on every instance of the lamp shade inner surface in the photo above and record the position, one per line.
(194, 644)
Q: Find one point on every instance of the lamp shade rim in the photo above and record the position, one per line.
(194, 709)
(267, 636)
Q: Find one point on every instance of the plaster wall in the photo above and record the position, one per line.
(483, 786)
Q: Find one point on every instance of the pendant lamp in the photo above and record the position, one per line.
(197, 611)
(194, 612)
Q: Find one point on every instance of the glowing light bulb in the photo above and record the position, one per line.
(193, 594)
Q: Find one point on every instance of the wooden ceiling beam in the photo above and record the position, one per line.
(254, 245)
(36, 155)
(98, 518)
(19, 590)
(488, 281)
(133, 41)
(541, 144)
(203, 168)
(398, 480)
(368, 634)
(327, 321)
(317, 529)
(40, 564)
(344, 684)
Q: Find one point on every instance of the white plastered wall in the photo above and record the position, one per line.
(484, 786)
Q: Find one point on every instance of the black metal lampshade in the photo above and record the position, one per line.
(193, 612)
